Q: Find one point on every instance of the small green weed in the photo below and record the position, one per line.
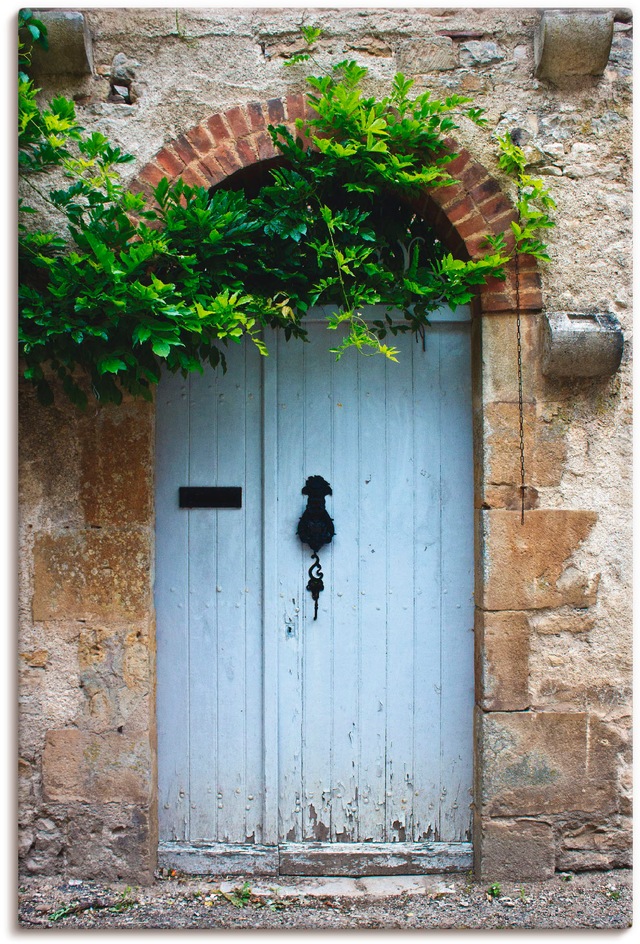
(494, 891)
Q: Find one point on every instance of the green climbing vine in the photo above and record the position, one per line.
(116, 287)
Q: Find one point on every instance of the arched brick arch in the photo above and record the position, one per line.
(462, 213)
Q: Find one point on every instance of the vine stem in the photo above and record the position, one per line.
(520, 393)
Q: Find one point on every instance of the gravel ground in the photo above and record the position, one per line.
(581, 900)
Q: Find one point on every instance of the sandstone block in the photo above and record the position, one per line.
(90, 768)
(117, 467)
(517, 850)
(92, 574)
(545, 445)
(503, 678)
(500, 357)
(523, 565)
(479, 53)
(548, 762)
(573, 621)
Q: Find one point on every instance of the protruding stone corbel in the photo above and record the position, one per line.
(581, 345)
(70, 49)
(572, 43)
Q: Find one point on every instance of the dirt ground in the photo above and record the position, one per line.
(599, 900)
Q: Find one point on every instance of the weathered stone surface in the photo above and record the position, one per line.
(92, 574)
(372, 45)
(500, 357)
(435, 55)
(570, 621)
(545, 445)
(548, 762)
(115, 840)
(117, 467)
(521, 848)
(480, 53)
(70, 49)
(572, 42)
(503, 678)
(525, 565)
(89, 768)
(581, 345)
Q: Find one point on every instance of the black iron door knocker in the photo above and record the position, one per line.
(316, 529)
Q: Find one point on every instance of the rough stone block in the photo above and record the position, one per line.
(503, 682)
(437, 55)
(572, 42)
(581, 345)
(500, 357)
(545, 445)
(524, 566)
(516, 850)
(117, 467)
(548, 762)
(90, 768)
(92, 574)
(70, 49)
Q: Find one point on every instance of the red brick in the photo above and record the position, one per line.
(218, 128)
(200, 139)
(497, 301)
(463, 208)
(193, 176)
(472, 174)
(275, 109)
(447, 195)
(469, 227)
(496, 206)
(246, 151)
(171, 164)
(531, 300)
(212, 167)
(476, 246)
(502, 224)
(256, 116)
(228, 158)
(237, 121)
(457, 166)
(184, 150)
(265, 146)
(151, 174)
(296, 106)
(485, 189)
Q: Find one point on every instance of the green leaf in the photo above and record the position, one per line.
(111, 365)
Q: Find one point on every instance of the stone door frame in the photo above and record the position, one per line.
(523, 782)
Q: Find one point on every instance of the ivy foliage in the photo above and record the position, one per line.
(122, 286)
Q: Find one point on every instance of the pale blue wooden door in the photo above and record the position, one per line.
(355, 728)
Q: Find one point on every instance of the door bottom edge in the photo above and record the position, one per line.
(315, 858)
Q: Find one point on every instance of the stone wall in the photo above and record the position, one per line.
(553, 621)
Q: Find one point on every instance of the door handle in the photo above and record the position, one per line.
(316, 529)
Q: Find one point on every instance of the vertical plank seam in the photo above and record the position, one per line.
(387, 778)
(187, 823)
(440, 607)
(415, 353)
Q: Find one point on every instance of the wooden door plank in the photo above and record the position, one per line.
(210, 858)
(317, 636)
(428, 541)
(203, 632)
(291, 575)
(231, 591)
(400, 520)
(271, 598)
(457, 585)
(373, 598)
(172, 607)
(365, 858)
(256, 716)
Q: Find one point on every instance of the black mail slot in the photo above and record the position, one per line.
(207, 496)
